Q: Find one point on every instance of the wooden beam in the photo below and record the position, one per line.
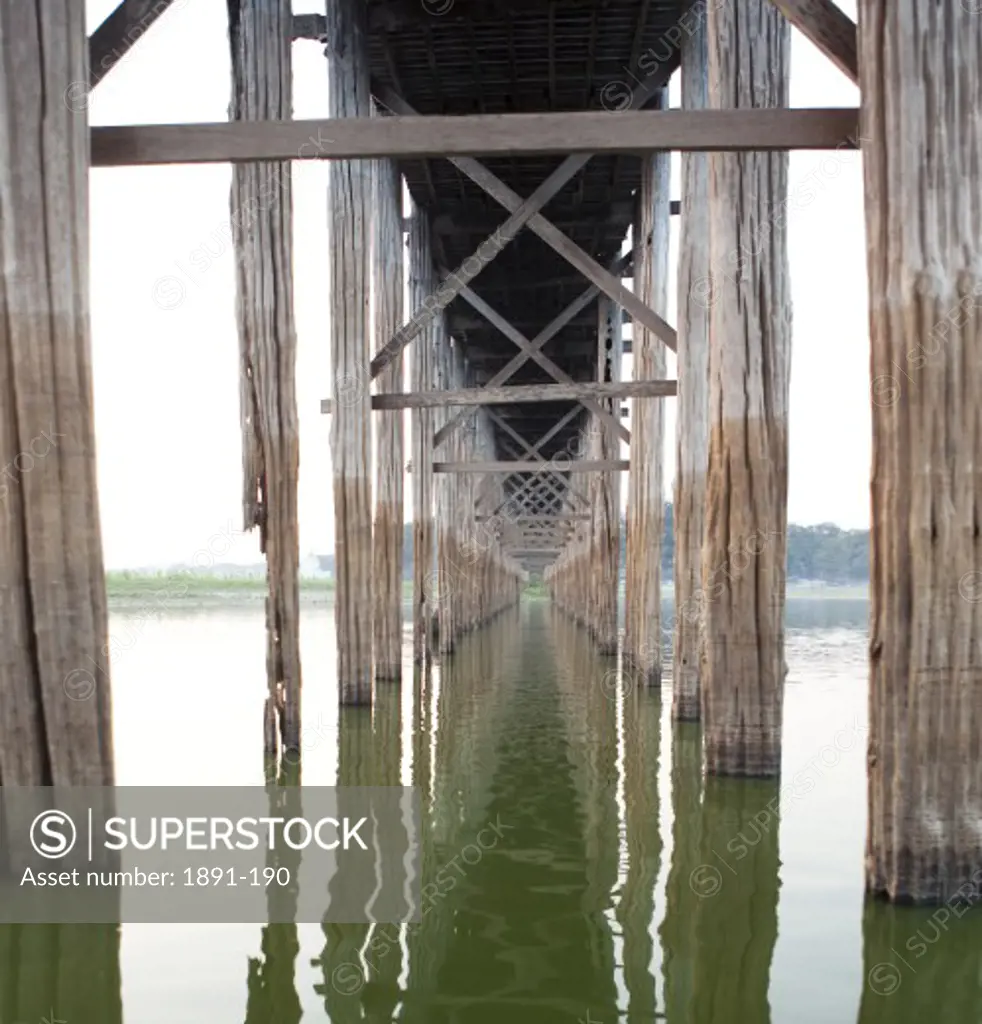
(530, 466)
(829, 28)
(522, 393)
(552, 368)
(117, 35)
(548, 134)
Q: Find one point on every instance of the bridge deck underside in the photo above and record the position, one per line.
(510, 56)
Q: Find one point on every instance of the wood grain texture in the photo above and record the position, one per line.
(645, 501)
(388, 251)
(422, 278)
(55, 715)
(743, 555)
(605, 487)
(922, 90)
(119, 33)
(351, 195)
(825, 24)
(520, 393)
(475, 135)
(261, 206)
(692, 415)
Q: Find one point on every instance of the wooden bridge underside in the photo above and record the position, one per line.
(509, 57)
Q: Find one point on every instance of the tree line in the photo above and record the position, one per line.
(825, 552)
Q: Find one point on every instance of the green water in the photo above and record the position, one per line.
(622, 887)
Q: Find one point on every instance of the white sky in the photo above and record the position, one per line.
(166, 380)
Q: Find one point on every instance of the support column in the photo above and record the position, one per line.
(388, 540)
(260, 35)
(921, 77)
(646, 502)
(421, 285)
(743, 570)
(350, 196)
(695, 293)
(55, 716)
(448, 573)
(606, 486)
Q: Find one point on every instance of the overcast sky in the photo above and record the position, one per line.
(163, 329)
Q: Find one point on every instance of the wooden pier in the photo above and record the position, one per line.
(533, 137)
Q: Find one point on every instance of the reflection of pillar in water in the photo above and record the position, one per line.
(68, 972)
(272, 992)
(677, 930)
(922, 964)
(642, 743)
(736, 883)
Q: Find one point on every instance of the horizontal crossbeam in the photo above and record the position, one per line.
(543, 134)
(574, 466)
(520, 393)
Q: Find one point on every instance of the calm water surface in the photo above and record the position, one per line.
(624, 887)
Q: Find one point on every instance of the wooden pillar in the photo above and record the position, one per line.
(350, 200)
(606, 487)
(743, 570)
(421, 282)
(695, 295)
(55, 717)
(646, 502)
(388, 540)
(447, 573)
(260, 38)
(921, 78)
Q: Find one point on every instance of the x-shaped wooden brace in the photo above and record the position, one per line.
(525, 212)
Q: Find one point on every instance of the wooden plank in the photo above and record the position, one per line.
(568, 517)
(520, 393)
(119, 32)
(55, 706)
(829, 28)
(548, 134)
(262, 229)
(582, 466)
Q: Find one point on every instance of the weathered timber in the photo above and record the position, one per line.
(923, 176)
(744, 540)
(646, 502)
(545, 518)
(531, 466)
(692, 409)
(825, 24)
(119, 33)
(605, 488)
(351, 195)
(261, 207)
(388, 536)
(449, 579)
(510, 368)
(521, 212)
(421, 279)
(520, 393)
(552, 368)
(55, 716)
(363, 137)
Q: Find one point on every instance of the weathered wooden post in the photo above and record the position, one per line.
(388, 539)
(55, 717)
(260, 38)
(645, 502)
(351, 194)
(606, 487)
(743, 570)
(421, 284)
(695, 294)
(921, 79)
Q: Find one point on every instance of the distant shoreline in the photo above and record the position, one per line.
(130, 591)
